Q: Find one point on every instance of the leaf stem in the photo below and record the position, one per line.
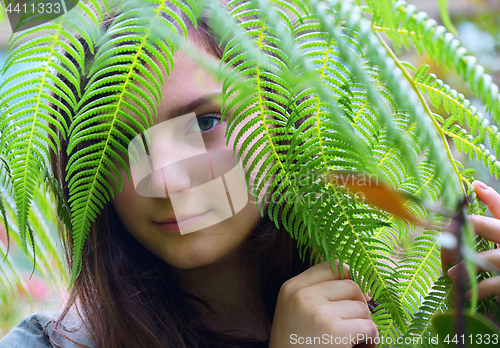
(426, 108)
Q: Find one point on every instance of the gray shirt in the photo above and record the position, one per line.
(34, 332)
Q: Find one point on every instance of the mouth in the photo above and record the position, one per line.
(182, 223)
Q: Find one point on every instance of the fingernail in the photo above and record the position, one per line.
(482, 185)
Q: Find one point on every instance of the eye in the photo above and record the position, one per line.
(208, 122)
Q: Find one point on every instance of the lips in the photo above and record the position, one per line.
(180, 219)
(183, 223)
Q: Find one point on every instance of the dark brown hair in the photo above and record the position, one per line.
(127, 297)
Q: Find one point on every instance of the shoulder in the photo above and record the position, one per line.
(34, 331)
(30, 332)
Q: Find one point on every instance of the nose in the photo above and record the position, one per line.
(168, 180)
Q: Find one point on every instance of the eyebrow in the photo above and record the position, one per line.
(196, 103)
(192, 105)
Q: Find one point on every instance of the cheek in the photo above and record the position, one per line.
(244, 222)
(229, 235)
(125, 198)
(129, 206)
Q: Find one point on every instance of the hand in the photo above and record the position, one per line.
(488, 228)
(317, 303)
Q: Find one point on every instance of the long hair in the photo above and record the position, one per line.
(126, 296)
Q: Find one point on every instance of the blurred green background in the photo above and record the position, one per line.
(478, 24)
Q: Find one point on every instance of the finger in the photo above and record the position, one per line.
(366, 331)
(336, 290)
(486, 227)
(491, 256)
(348, 309)
(486, 288)
(489, 197)
(319, 273)
(367, 297)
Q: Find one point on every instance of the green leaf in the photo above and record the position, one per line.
(445, 16)
(479, 330)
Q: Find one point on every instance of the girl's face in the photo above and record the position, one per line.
(187, 85)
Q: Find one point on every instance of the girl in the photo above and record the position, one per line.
(237, 283)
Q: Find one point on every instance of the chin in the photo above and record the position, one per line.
(185, 262)
(191, 256)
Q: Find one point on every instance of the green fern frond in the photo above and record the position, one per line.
(445, 16)
(3, 212)
(265, 101)
(25, 122)
(63, 210)
(465, 143)
(318, 143)
(314, 87)
(442, 46)
(98, 8)
(419, 268)
(464, 113)
(430, 191)
(389, 158)
(5, 184)
(43, 233)
(350, 240)
(114, 78)
(417, 271)
(42, 237)
(437, 301)
(363, 114)
(385, 60)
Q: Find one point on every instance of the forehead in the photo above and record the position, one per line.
(188, 73)
(187, 81)
(187, 88)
